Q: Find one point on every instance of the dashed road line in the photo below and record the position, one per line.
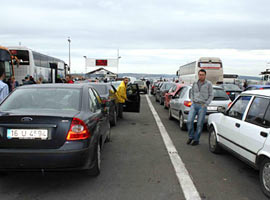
(185, 181)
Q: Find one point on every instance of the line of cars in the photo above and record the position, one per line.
(51, 127)
(238, 122)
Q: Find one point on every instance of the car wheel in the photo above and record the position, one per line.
(156, 98)
(182, 123)
(265, 176)
(170, 114)
(95, 171)
(212, 141)
(160, 101)
(164, 105)
(114, 120)
(108, 137)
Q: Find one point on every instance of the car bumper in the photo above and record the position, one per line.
(76, 157)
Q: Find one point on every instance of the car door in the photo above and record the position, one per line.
(176, 102)
(228, 130)
(253, 130)
(134, 100)
(99, 115)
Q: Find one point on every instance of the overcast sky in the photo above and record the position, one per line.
(153, 36)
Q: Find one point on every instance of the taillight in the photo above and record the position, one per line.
(187, 103)
(228, 93)
(229, 105)
(261, 88)
(78, 130)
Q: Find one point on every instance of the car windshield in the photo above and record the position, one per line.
(139, 82)
(101, 89)
(220, 94)
(231, 87)
(43, 99)
(167, 86)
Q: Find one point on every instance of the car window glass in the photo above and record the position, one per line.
(238, 108)
(92, 102)
(266, 121)
(183, 92)
(177, 95)
(257, 110)
(97, 99)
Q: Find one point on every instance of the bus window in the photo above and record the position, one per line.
(22, 56)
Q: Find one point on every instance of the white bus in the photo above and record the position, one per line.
(32, 63)
(188, 73)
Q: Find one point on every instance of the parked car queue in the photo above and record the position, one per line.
(241, 127)
(59, 127)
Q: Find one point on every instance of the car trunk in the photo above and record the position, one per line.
(54, 127)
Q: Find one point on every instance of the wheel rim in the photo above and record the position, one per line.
(213, 141)
(181, 120)
(266, 176)
(98, 156)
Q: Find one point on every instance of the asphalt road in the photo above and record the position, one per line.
(136, 165)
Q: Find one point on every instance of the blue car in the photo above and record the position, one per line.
(257, 87)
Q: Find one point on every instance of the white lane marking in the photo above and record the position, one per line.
(182, 174)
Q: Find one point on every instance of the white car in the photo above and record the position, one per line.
(244, 130)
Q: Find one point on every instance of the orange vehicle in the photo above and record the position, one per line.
(6, 62)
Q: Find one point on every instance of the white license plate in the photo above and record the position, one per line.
(27, 134)
(212, 108)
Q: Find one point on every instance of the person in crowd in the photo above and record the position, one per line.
(4, 91)
(201, 97)
(13, 84)
(32, 80)
(245, 85)
(40, 80)
(27, 81)
(147, 84)
(122, 95)
(69, 79)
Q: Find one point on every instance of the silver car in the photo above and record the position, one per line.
(180, 104)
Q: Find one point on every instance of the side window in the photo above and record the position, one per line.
(266, 121)
(183, 92)
(92, 102)
(257, 111)
(97, 99)
(238, 108)
(177, 95)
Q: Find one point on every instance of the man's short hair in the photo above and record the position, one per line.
(68, 75)
(202, 70)
(2, 71)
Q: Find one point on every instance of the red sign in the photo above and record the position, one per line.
(101, 62)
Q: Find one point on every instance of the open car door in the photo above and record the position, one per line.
(134, 100)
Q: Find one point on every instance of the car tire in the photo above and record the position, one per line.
(108, 137)
(170, 114)
(265, 176)
(214, 147)
(114, 120)
(164, 106)
(95, 171)
(182, 123)
(156, 98)
(160, 101)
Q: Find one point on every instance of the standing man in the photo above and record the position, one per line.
(3, 86)
(148, 84)
(122, 95)
(201, 97)
(69, 79)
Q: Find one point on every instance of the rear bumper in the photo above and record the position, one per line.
(47, 159)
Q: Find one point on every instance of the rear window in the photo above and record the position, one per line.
(43, 99)
(220, 94)
(167, 86)
(231, 87)
(101, 89)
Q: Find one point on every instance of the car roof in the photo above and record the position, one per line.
(257, 92)
(55, 85)
(260, 86)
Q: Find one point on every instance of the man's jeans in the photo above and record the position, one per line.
(196, 109)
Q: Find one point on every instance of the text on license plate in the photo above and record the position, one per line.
(27, 134)
(212, 108)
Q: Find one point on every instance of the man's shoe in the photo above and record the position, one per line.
(194, 143)
(189, 141)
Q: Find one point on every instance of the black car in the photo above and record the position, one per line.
(232, 90)
(107, 94)
(53, 127)
(160, 92)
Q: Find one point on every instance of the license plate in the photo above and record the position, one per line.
(27, 134)
(212, 108)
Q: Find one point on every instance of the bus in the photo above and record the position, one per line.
(6, 62)
(188, 73)
(37, 65)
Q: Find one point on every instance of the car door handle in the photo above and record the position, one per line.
(237, 125)
(264, 134)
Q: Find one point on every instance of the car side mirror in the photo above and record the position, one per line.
(221, 109)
